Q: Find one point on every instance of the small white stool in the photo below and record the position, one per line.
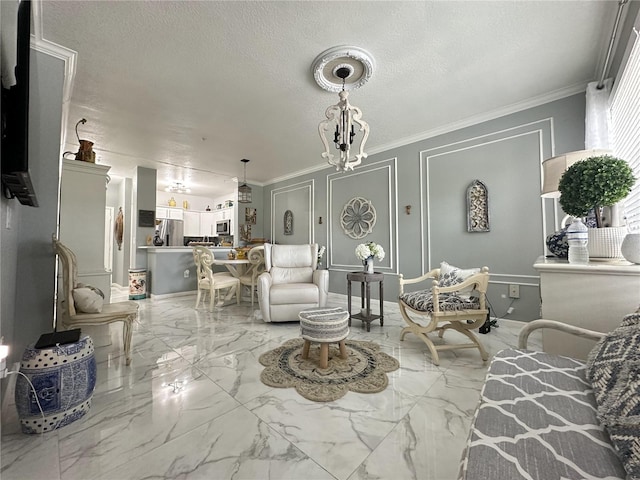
(324, 326)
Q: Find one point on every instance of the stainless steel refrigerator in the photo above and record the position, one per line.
(172, 232)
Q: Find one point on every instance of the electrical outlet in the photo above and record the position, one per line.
(510, 310)
(186, 274)
(514, 291)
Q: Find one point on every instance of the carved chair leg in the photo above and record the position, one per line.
(483, 353)
(435, 358)
(198, 298)
(127, 331)
(212, 299)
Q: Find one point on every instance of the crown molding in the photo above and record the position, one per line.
(468, 122)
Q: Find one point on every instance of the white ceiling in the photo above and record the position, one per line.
(192, 87)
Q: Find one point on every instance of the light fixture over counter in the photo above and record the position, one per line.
(177, 187)
(340, 69)
(244, 190)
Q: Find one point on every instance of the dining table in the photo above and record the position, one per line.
(236, 267)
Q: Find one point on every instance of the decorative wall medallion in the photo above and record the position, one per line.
(288, 222)
(477, 207)
(358, 217)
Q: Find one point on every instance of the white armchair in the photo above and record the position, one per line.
(291, 282)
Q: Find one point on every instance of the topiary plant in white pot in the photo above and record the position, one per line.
(591, 184)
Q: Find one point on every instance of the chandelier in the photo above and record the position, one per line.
(331, 71)
(177, 187)
(244, 190)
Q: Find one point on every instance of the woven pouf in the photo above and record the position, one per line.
(324, 326)
(64, 377)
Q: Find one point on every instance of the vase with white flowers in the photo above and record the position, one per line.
(366, 252)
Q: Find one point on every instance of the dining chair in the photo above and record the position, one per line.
(211, 282)
(125, 312)
(203, 286)
(256, 266)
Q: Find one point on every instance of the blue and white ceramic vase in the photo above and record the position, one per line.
(64, 377)
(557, 243)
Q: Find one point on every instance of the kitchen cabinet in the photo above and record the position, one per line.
(208, 224)
(191, 223)
(169, 212)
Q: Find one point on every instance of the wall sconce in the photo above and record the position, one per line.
(407, 209)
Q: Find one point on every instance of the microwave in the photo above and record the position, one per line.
(223, 227)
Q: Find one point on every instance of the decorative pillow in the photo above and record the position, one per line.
(450, 275)
(88, 299)
(423, 301)
(613, 368)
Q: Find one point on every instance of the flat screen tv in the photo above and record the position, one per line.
(16, 182)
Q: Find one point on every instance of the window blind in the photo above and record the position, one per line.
(624, 111)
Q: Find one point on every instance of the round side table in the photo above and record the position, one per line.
(365, 280)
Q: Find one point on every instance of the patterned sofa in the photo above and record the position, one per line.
(544, 416)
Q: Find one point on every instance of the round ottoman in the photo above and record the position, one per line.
(324, 326)
(64, 377)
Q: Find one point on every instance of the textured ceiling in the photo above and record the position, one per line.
(203, 84)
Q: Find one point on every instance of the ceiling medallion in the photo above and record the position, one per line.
(360, 63)
(337, 70)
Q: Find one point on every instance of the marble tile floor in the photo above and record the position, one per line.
(221, 422)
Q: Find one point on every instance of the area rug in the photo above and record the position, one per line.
(364, 371)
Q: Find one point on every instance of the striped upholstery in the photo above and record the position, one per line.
(324, 325)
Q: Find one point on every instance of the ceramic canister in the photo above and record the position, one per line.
(64, 377)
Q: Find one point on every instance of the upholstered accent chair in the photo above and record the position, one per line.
(95, 313)
(454, 299)
(291, 282)
(209, 282)
(256, 266)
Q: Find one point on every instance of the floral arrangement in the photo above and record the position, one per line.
(321, 254)
(369, 250)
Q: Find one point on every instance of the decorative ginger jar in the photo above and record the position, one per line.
(63, 377)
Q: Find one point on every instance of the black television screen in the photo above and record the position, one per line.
(16, 182)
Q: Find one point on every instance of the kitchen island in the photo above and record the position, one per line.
(171, 270)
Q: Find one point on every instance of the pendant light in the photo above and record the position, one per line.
(244, 190)
(339, 70)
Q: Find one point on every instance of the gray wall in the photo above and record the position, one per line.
(432, 176)
(27, 259)
(144, 198)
